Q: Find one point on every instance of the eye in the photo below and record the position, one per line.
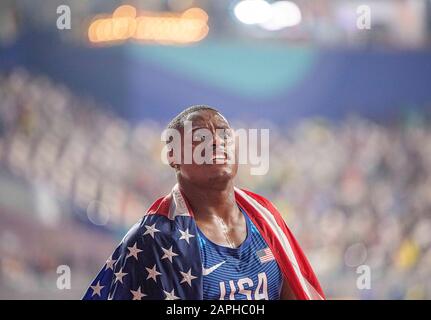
(226, 134)
(198, 136)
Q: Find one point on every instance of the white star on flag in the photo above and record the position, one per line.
(133, 251)
(119, 275)
(151, 230)
(110, 263)
(170, 295)
(168, 254)
(187, 277)
(185, 235)
(152, 273)
(97, 288)
(138, 294)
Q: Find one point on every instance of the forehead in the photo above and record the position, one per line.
(205, 117)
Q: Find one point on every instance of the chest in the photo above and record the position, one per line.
(249, 272)
(222, 234)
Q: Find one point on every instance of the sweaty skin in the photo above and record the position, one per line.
(209, 189)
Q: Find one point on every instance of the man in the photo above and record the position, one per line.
(207, 239)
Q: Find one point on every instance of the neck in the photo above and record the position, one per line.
(209, 202)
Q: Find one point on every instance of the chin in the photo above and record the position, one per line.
(221, 173)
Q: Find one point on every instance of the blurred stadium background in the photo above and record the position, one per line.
(82, 109)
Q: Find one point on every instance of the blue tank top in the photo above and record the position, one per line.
(248, 272)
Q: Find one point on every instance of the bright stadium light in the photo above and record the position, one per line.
(283, 14)
(252, 11)
(157, 27)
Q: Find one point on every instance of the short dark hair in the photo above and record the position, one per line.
(178, 122)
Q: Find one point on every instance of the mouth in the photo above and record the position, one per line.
(220, 156)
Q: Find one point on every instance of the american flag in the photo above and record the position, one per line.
(265, 255)
(159, 256)
(156, 260)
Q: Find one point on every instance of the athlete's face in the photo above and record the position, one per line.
(220, 171)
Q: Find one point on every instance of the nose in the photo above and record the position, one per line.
(218, 142)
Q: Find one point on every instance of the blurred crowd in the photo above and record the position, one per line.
(75, 177)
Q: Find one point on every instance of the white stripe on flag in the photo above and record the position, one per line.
(281, 237)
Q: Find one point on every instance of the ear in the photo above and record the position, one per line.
(174, 165)
(171, 160)
(172, 149)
